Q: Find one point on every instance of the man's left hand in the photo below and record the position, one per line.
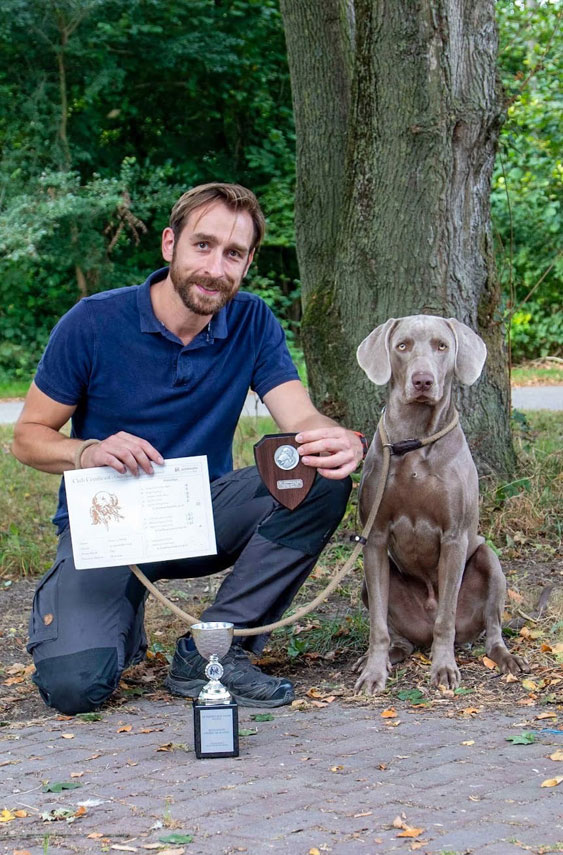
(340, 450)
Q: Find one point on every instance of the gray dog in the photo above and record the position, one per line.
(430, 579)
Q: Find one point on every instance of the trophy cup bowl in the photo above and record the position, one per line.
(213, 640)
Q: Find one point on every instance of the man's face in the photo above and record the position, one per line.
(210, 256)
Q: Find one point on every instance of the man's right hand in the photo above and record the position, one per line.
(122, 451)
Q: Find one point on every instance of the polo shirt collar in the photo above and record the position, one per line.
(150, 323)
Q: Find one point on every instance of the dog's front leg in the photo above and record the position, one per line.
(453, 553)
(376, 661)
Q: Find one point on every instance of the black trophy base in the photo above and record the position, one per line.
(216, 730)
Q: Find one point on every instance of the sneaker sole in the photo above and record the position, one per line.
(192, 688)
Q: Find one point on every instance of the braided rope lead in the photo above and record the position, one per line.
(335, 581)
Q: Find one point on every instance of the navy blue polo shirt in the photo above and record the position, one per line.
(123, 369)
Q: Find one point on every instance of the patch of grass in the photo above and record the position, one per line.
(249, 430)
(539, 372)
(525, 514)
(14, 388)
(27, 502)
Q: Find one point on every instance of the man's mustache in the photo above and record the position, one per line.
(210, 283)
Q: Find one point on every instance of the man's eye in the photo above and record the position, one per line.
(234, 253)
(202, 244)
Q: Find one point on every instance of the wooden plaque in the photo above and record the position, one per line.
(280, 467)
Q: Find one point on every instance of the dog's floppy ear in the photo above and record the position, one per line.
(373, 353)
(471, 352)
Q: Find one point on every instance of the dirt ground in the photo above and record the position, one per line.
(319, 661)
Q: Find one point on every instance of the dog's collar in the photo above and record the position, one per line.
(406, 445)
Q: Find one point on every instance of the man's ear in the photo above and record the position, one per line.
(249, 262)
(167, 244)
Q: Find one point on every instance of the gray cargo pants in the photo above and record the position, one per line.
(86, 626)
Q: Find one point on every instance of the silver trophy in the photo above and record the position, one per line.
(213, 641)
(215, 710)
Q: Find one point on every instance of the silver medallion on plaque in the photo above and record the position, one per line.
(286, 457)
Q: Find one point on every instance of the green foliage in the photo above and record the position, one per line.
(109, 110)
(527, 193)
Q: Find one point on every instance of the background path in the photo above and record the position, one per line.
(524, 398)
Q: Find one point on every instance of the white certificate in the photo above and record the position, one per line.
(126, 519)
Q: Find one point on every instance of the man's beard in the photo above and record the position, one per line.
(194, 299)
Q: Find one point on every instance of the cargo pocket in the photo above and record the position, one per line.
(44, 620)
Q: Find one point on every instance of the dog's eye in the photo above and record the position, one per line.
(442, 346)
(401, 346)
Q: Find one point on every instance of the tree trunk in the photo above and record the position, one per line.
(397, 112)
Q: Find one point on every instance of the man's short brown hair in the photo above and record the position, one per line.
(234, 196)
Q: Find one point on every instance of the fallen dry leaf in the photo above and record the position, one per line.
(470, 711)
(509, 678)
(175, 851)
(410, 832)
(21, 852)
(336, 768)
(488, 663)
(76, 774)
(123, 848)
(125, 729)
(553, 782)
(20, 813)
(365, 813)
(514, 596)
(67, 735)
(558, 755)
(314, 693)
(166, 747)
(6, 815)
(469, 742)
(546, 715)
(95, 835)
(557, 648)
(389, 713)
(314, 851)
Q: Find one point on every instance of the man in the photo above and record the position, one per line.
(162, 370)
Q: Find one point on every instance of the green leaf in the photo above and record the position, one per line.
(415, 696)
(248, 732)
(58, 786)
(90, 716)
(265, 716)
(525, 738)
(176, 838)
(462, 691)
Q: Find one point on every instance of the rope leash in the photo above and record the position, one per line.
(398, 448)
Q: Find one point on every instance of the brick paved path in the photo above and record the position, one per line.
(330, 779)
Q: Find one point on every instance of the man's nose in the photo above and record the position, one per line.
(215, 264)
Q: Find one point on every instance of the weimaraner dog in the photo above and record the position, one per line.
(430, 579)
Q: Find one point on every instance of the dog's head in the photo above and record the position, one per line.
(421, 353)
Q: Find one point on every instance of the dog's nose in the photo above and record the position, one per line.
(422, 381)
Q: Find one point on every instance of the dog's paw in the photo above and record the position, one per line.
(445, 674)
(508, 663)
(359, 664)
(373, 677)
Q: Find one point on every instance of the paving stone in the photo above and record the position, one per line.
(285, 794)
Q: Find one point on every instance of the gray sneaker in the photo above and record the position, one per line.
(248, 685)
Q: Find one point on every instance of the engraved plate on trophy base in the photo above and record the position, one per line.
(216, 730)
(280, 467)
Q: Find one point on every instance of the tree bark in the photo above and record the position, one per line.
(397, 111)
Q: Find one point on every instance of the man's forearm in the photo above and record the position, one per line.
(44, 448)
